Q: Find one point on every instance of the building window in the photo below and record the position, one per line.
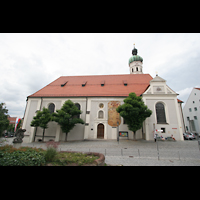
(137, 69)
(132, 70)
(100, 115)
(51, 107)
(195, 117)
(101, 105)
(190, 109)
(193, 101)
(195, 108)
(192, 125)
(188, 118)
(160, 113)
(79, 107)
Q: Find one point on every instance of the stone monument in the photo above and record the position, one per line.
(18, 140)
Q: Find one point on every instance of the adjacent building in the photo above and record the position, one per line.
(191, 112)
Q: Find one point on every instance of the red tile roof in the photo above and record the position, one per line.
(179, 101)
(12, 120)
(97, 85)
(197, 88)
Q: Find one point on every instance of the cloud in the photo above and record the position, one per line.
(28, 62)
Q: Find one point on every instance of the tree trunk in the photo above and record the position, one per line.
(43, 135)
(134, 135)
(66, 137)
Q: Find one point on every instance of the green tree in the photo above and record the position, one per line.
(67, 117)
(41, 119)
(134, 112)
(4, 122)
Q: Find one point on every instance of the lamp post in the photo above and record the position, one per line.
(118, 132)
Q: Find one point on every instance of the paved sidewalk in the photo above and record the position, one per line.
(135, 153)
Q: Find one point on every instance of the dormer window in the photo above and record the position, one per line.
(84, 83)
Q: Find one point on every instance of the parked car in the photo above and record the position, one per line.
(196, 135)
(192, 134)
(188, 136)
(7, 135)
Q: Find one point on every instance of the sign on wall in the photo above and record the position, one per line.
(123, 134)
(113, 115)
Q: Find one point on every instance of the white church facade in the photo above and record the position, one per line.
(98, 97)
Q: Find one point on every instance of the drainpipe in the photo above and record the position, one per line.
(85, 117)
(25, 110)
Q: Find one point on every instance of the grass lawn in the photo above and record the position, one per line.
(72, 159)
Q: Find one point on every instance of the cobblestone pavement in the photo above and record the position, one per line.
(135, 153)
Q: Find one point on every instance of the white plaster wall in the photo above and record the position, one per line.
(189, 104)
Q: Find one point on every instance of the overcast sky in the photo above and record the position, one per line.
(30, 61)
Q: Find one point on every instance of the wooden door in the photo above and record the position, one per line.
(100, 131)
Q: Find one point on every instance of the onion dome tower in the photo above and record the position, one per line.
(135, 63)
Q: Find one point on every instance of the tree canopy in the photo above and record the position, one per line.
(134, 112)
(4, 122)
(67, 116)
(42, 119)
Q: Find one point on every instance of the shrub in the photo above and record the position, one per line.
(24, 156)
(50, 154)
(51, 150)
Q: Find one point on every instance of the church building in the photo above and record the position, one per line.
(98, 97)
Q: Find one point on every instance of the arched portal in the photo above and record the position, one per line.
(100, 131)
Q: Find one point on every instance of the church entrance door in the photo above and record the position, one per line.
(100, 131)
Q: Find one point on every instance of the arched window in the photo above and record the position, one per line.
(100, 115)
(51, 107)
(160, 113)
(79, 107)
(137, 69)
(132, 70)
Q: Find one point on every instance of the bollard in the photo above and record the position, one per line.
(139, 153)
(178, 155)
(158, 156)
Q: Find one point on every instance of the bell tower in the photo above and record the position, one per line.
(135, 63)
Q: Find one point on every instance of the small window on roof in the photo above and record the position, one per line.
(102, 83)
(84, 83)
(125, 82)
(63, 84)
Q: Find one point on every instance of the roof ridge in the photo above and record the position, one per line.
(104, 75)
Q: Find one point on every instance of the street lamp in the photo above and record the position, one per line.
(118, 132)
